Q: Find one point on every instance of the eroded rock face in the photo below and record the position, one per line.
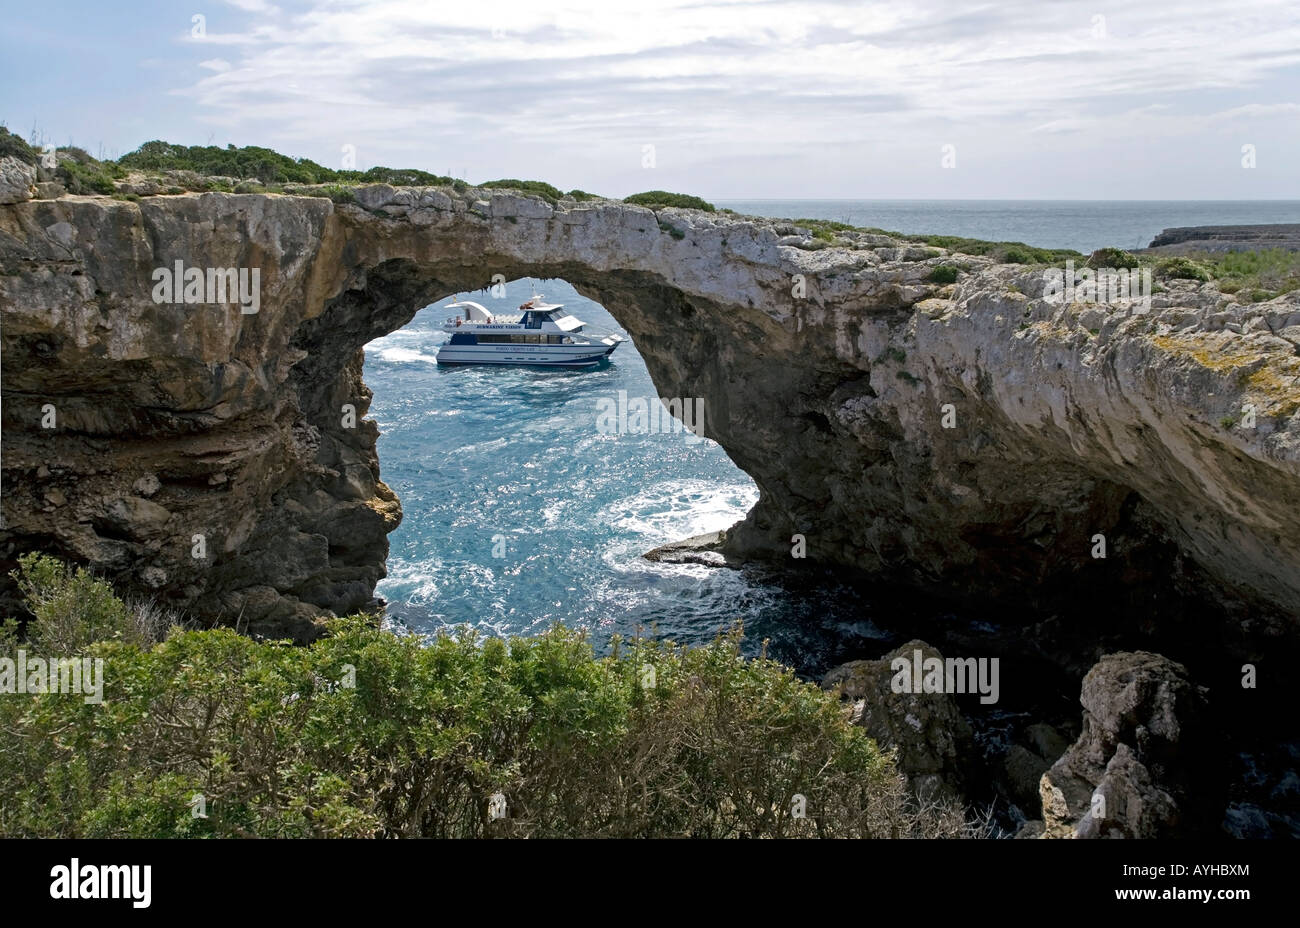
(827, 373)
(928, 730)
(17, 181)
(1131, 772)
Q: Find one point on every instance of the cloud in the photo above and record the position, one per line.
(252, 6)
(708, 80)
(1256, 112)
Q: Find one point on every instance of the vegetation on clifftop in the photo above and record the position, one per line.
(14, 146)
(661, 198)
(1258, 275)
(365, 733)
(262, 164)
(536, 187)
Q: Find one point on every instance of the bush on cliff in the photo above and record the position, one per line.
(265, 166)
(86, 175)
(536, 187)
(1005, 252)
(1181, 269)
(661, 198)
(397, 177)
(1258, 275)
(1112, 258)
(14, 146)
(248, 163)
(366, 733)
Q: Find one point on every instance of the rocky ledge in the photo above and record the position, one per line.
(971, 436)
(1193, 239)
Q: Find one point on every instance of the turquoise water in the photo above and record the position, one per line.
(512, 459)
(1084, 225)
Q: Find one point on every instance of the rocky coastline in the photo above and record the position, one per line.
(965, 437)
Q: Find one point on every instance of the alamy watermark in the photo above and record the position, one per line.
(1127, 286)
(219, 285)
(946, 675)
(76, 880)
(655, 415)
(80, 676)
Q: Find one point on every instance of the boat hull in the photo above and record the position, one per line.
(525, 355)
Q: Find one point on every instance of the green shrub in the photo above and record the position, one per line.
(248, 163)
(1181, 269)
(536, 187)
(71, 608)
(820, 224)
(81, 178)
(365, 733)
(583, 196)
(1112, 257)
(339, 193)
(14, 146)
(661, 198)
(1028, 254)
(943, 274)
(79, 155)
(397, 177)
(1272, 271)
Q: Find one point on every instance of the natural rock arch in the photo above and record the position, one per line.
(825, 371)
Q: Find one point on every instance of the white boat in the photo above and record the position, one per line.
(541, 334)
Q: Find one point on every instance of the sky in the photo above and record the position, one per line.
(1049, 99)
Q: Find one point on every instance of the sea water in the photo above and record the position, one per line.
(522, 508)
(1084, 225)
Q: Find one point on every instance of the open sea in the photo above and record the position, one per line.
(519, 513)
(1084, 225)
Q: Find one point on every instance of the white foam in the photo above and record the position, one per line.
(672, 511)
(405, 356)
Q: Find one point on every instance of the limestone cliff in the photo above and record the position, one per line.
(829, 375)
